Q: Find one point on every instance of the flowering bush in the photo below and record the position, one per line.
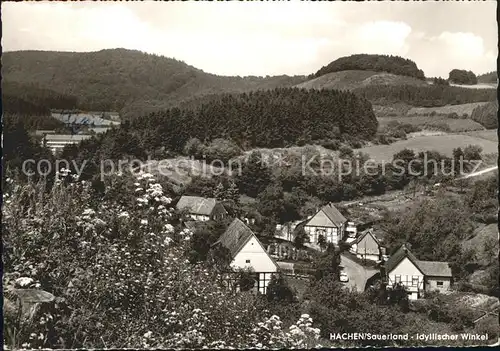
(117, 266)
(269, 334)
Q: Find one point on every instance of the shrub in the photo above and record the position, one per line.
(222, 149)
(488, 325)
(472, 152)
(193, 147)
(330, 144)
(130, 243)
(460, 76)
(345, 152)
(278, 290)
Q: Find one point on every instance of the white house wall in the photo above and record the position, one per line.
(199, 217)
(259, 260)
(407, 270)
(368, 256)
(432, 283)
(321, 224)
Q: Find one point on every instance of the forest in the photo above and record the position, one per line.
(274, 118)
(379, 63)
(487, 115)
(32, 99)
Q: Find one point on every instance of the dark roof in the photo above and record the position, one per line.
(334, 215)
(435, 268)
(196, 205)
(235, 237)
(398, 256)
(365, 233)
(428, 268)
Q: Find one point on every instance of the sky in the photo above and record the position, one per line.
(264, 38)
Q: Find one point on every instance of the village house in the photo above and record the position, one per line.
(248, 253)
(201, 209)
(417, 276)
(351, 230)
(367, 246)
(327, 222)
(57, 142)
(281, 244)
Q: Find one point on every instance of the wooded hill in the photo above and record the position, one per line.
(273, 118)
(125, 80)
(30, 105)
(379, 63)
(348, 80)
(32, 99)
(490, 77)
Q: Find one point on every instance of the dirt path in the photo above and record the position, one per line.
(478, 173)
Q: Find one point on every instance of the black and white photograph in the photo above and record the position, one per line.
(249, 175)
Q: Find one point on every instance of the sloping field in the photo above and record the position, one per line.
(428, 122)
(488, 134)
(458, 109)
(346, 80)
(441, 143)
(483, 234)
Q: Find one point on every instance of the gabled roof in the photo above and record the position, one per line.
(435, 268)
(235, 237)
(398, 256)
(428, 268)
(196, 205)
(333, 214)
(364, 234)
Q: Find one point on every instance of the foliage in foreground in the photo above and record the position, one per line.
(118, 268)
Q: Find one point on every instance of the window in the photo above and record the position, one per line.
(414, 280)
(440, 284)
(398, 279)
(247, 261)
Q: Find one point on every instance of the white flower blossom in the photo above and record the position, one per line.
(123, 214)
(24, 281)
